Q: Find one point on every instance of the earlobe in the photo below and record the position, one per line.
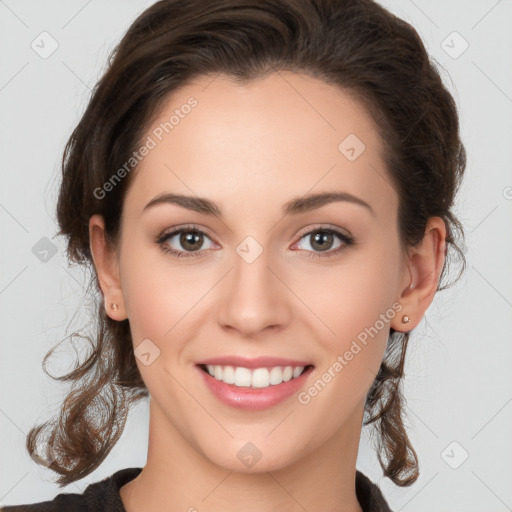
(423, 268)
(107, 268)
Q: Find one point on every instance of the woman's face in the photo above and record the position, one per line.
(254, 274)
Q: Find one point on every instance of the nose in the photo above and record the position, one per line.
(254, 297)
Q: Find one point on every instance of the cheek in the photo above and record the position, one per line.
(357, 304)
(163, 299)
(149, 291)
(354, 295)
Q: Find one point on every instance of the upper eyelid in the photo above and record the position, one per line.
(324, 227)
(172, 232)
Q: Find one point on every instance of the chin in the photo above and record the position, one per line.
(256, 456)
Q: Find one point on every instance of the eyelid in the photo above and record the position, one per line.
(346, 239)
(175, 230)
(305, 231)
(318, 227)
(343, 235)
(185, 227)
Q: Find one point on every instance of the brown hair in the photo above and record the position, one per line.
(355, 44)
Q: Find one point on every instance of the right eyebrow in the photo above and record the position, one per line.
(295, 206)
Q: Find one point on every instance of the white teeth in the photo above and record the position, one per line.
(287, 373)
(260, 378)
(257, 378)
(297, 371)
(242, 377)
(228, 375)
(276, 375)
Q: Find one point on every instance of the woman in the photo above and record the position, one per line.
(264, 192)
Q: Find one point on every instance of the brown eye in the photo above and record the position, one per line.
(322, 240)
(183, 242)
(191, 240)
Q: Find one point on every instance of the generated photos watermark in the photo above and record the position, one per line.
(305, 397)
(150, 143)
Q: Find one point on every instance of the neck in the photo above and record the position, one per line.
(178, 477)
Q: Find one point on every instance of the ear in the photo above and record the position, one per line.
(107, 268)
(420, 280)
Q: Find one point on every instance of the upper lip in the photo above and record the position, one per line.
(256, 362)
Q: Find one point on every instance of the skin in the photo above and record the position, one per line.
(251, 149)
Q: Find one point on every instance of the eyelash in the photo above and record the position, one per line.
(346, 239)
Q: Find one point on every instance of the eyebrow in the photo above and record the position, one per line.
(296, 206)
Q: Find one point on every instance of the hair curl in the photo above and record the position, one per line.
(357, 45)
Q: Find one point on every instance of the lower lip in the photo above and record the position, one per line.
(253, 399)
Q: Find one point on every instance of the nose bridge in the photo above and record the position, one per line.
(253, 298)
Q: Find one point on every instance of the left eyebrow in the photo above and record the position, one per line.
(196, 204)
(296, 206)
(314, 201)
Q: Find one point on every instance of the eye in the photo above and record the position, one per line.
(322, 239)
(191, 240)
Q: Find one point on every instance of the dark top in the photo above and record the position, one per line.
(104, 496)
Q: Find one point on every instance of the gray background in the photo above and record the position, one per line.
(458, 383)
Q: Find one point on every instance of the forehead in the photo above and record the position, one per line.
(274, 137)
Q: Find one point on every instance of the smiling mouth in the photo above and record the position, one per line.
(256, 378)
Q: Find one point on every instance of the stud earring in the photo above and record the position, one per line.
(405, 319)
(114, 306)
